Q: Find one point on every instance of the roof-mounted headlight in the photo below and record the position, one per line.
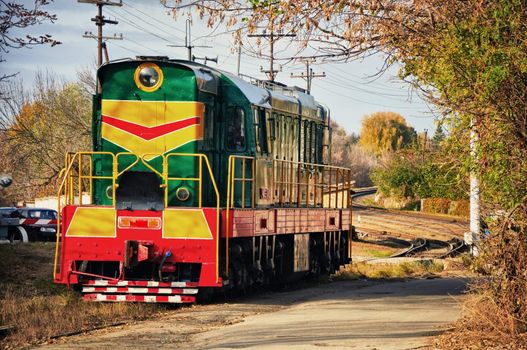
(148, 77)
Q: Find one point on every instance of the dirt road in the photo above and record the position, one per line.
(341, 315)
(367, 219)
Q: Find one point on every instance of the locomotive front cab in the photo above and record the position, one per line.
(149, 109)
(153, 211)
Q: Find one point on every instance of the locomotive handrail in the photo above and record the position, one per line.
(338, 183)
(231, 181)
(154, 170)
(202, 158)
(296, 171)
(66, 192)
(324, 169)
(134, 163)
(217, 215)
(66, 186)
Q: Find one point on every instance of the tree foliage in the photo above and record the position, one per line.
(469, 58)
(15, 19)
(419, 173)
(383, 132)
(39, 127)
(346, 152)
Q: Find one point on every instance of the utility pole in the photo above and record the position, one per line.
(272, 38)
(100, 21)
(309, 75)
(188, 42)
(239, 58)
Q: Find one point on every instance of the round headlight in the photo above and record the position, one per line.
(182, 194)
(148, 77)
(109, 192)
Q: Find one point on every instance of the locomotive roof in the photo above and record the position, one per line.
(281, 98)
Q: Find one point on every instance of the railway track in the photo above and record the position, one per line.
(421, 247)
(442, 234)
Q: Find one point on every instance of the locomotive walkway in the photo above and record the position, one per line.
(342, 315)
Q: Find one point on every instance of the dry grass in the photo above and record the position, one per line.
(405, 269)
(483, 327)
(39, 309)
(495, 317)
(372, 250)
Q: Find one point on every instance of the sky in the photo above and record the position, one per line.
(349, 89)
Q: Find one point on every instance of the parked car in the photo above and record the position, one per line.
(38, 223)
(9, 221)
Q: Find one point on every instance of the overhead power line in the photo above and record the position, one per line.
(155, 19)
(368, 102)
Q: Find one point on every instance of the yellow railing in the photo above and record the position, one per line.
(331, 187)
(77, 176)
(323, 179)
(66, 192)
(231, 184)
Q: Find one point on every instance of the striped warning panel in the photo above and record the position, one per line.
(150, 284)
(138, 290)
(177, 299)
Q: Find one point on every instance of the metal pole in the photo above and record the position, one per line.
(189, 46)
(239, 57)
(309, 74)
(271, 60)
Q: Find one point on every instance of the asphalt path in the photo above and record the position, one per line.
(401, 315)
(381, 315)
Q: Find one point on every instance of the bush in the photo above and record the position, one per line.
(435, 205)
(419, 174)
(445, 206)
(460, 208)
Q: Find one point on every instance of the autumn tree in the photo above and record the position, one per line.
(346, 152)
(468, 58)
(385, 132)
(341, 141)
(40, 126)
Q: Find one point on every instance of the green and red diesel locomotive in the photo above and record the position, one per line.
(198, 180)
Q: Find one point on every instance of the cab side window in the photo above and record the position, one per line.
(260, 129)
(235, 129)
(209, 128)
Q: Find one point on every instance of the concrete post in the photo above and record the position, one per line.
(475, 217)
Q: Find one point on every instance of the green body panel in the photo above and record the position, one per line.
(117, 81)
(181, 84)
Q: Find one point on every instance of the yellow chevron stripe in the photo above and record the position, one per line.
(151, 113)
(161, 145)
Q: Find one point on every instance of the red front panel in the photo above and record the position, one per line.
(100, 234)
